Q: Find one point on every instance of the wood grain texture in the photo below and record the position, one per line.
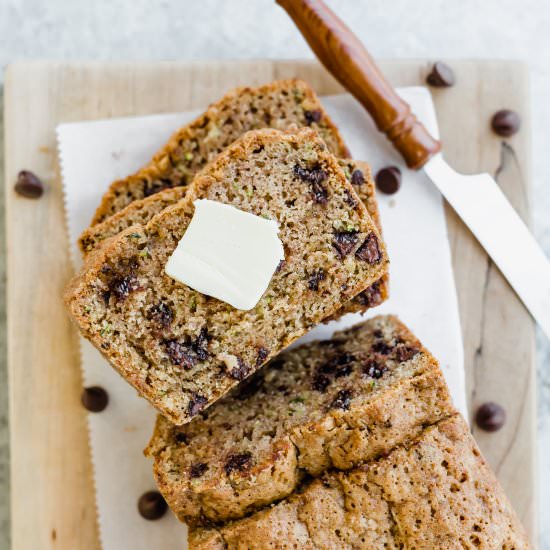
(52, 487)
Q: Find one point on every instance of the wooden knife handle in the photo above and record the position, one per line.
(346, 58)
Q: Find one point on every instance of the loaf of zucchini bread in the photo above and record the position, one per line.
(434, 493)
(282, 105)
(141, 211)
(183, 350)
(323, 405)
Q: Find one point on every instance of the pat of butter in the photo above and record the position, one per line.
(227, 253)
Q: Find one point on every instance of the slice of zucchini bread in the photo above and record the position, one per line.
(436, 493)
(329, 404)
(282, 105)
(183, 350)
(141, 211)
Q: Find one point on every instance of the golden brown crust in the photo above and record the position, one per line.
(435, 493)
(113, 299)
(282, 104)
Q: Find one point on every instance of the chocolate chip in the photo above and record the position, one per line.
(151, 505)
(490, 417)
(405, 353)
(316, 277)
(201, 343)
(187, 354)
(505, 123)
(357, 177)
(261, 356)
(196, 404)
(342, 400)
(198, 469)
(315, 176)
(344, 242)
(161, 314)
(369, 251)
(344, 370)
(373, 369)
(382, 348)
(371, 296)
(180, 354)
(388, 180)
(320, 382)
(241, 371)
(29, 185)
(280, 266)
(181, 438)
(350, 199)
(441, 75)
(123, 286)
(313, 116)
(94, 399)
(238, 462)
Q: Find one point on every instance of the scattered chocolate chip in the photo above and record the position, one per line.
(369, 251)
(201, 344)
(320, 382)
(94, 399)
(312, 116)
(505, 123)
(187, 354)
(357, 177)
(261, 356)
(198, 469)
(315, 176)
(373, 369)
(280, 266)
(371, 296)
(180, 354)
(344, 242)
(196, 404)
(388, 180)
(441, 75)
(342, 400)
(29, 185)
(182, 438)
(350, 199)
(151, 505)
(378, 333)
(241, 371)
(161, 314)
(238, 462)
(343, 370)
(123, 286)
(316, 277)
(382, 348)
(490, 417)
(404, 353)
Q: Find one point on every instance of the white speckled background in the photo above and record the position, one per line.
(187, 29)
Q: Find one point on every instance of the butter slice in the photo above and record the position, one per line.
(227, 253)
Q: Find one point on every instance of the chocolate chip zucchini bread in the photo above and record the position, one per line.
(183, 350)
(282, 105)
(141, 211)
(329, 404)
(434, 493)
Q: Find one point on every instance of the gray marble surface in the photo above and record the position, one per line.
(186, 29)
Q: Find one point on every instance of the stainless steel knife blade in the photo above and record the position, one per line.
(483, 207)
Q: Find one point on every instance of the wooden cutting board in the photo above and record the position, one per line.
(51, 482)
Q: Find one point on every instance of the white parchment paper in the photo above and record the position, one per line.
(93, 154)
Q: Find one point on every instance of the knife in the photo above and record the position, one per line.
(477, 199)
